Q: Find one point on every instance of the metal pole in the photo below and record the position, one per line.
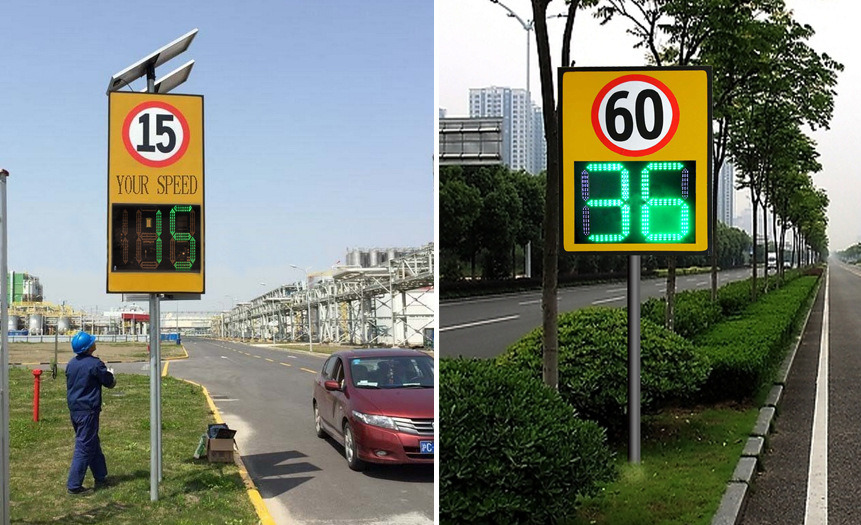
(634, 359)
(158, 386)
(308, 296)
(153, 399)
(154, 367)
(4, 354)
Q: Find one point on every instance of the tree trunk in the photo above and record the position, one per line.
(549, 307)
(671, 292)
(753, 203)
(765, 241)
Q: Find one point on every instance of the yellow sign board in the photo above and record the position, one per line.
(636, 159)
(155, 193)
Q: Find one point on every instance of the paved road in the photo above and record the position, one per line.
(266, 395)
(812, 471)
(485, 327)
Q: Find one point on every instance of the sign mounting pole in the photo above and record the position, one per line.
(154, 366)
(636, 176)
(148, 132)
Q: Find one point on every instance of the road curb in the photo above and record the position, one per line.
(250, 487)
(735, 496)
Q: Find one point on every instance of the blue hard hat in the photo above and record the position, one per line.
(82, 342)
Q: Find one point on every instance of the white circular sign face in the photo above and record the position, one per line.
(635, 115)
(155, 134)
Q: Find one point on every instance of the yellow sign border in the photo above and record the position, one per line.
(692, 141)
(191, 164)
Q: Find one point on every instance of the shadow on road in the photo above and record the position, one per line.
(267, 471)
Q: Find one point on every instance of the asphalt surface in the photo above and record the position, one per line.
(780, 491)
(485, 327)
(265, 394)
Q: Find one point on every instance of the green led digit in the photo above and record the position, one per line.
(622, 203)
(659, 225)
(182, 237)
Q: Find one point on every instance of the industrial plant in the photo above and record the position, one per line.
(380, 297)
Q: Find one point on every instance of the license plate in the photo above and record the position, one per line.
(426, 447)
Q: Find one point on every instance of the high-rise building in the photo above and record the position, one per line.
(519, 148)
(726, 193)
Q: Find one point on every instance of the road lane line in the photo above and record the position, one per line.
(270, 360)
(610, 300)
(479, 323)
(617, 290)
(285, 364)
(537, 301)
(309, 371)
(702, 283)
(816, 511)
(258, 357)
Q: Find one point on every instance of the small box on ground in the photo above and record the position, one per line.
(219, 450)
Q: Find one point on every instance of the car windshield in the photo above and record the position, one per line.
(392, 372)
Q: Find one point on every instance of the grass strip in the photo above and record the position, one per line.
(688, 455)
(192, 491)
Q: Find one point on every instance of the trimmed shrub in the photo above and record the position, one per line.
(744, 351)
(694, 309)
(593, 364)
(512, 450)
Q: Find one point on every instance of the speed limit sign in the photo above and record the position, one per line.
(155, 193)
(155, 133)
(636, 159)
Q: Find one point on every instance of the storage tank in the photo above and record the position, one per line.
(36, 321)
(14, 322)
(391, 254)
(64, 324)
(375, 258)
(354, 258)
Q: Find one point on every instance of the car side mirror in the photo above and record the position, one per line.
(331, 384)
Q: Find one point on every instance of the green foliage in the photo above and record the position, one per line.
(514, 451)
(743, 351)
(694, 309)
(593, 364)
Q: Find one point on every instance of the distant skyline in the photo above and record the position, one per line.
(317, 141)
(496, 46)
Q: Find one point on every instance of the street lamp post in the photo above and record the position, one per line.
(528, 27)
(4, 358)
(308, 299)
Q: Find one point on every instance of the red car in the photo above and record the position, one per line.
(378, 404)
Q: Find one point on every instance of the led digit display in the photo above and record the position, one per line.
(635, 202)
(156, 238)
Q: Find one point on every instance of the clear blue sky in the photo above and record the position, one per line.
(318, 126)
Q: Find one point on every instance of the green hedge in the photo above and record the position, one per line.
(695, 311)
(593, 364)
(512, 450)
(743, 351)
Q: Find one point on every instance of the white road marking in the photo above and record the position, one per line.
(662, 290)
(617, 290)
(479, 323)
(816, 511)
(703, 283)
(537, 301)
(610, 300)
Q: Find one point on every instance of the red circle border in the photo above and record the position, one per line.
(140, 158)
(596, 124)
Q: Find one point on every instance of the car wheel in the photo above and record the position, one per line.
(318, 424)
(351, 450)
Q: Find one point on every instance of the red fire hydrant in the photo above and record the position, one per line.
(37, 379)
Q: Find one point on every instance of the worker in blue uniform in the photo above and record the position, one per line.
(85, 377)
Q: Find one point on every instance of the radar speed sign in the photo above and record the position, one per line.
(636, 159)
(155, 193)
